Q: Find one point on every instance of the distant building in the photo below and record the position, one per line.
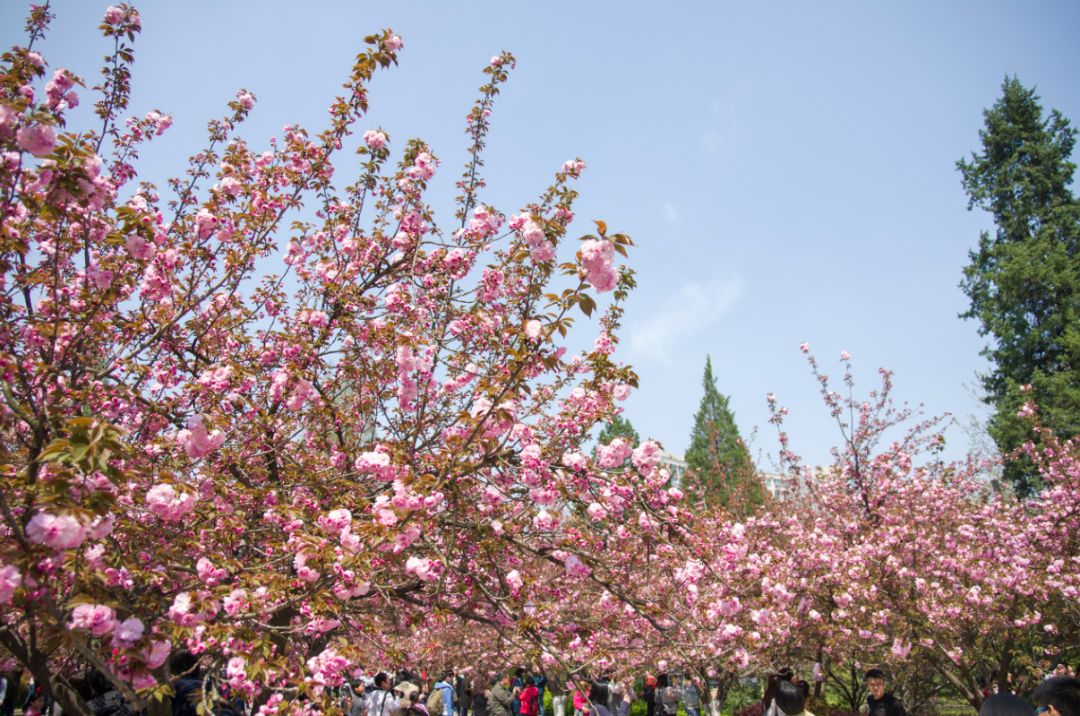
(674, 465)
(781, 485)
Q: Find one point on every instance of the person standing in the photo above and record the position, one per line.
(790, 700)
(381, 702)
(581, 701)
(667, 697)
(879, 702)
(691, 697)
(528, 698)
(501, 697)
(464, 695)
(539, 679)
(479, 696)
(447, 690)
(1059, 696)
(649, 694)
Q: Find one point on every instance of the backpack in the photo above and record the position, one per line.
(434, 703)
(669, 698)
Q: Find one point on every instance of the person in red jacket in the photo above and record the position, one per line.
(530, 699)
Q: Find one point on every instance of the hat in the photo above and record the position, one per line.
(407, 688)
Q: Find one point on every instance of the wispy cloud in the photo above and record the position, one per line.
(725, 127)
(683, 314)
(671, 213)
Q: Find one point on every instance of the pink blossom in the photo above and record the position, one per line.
(646, 456)
(575, 567)
(38, 139)
(236, 673)
(155, 653)
(245, 99)
(328, 668)
(208, 573)
(513, 579)
(540, 249)
(596, 511)
(143, 679)
(10, 579)
(128, 632)
(114, 15)
(196, 441)
(160, 121)
(393, 43)
(546, 521)
(139, 247)
(497, 61)
(98, 619)
(375, 462)
(804, 347)
(614, 453)
(180, 610)
(229, 186)
(336, 520)
(56, 531)
(596, 259)
(532, 329)
(168, 504)
(374, 139)
(573, 167)
(426, 570)
(575, 460)
(8, 119)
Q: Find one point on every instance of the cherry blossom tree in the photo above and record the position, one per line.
(292, 472)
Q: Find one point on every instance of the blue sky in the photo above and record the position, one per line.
(786, 169)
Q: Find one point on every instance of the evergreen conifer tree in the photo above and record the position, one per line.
(718, 463)
(1024, 278)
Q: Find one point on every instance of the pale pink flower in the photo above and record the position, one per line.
(596, 259)
(245, 99)
(426, 570)
(140, 248)
(513, 579)
(546, 521)
(114, 15)
(374, 139)
(10, 579)
(393, 43)
(646, 456)
(532, 329)
(155, 653)
(38, 139)
(98, 619)
(575, 567)
(614, 453)
(169, 504)
(143, 679)
(573, 167)
(56, 531)
(128, 632)
(196, 441)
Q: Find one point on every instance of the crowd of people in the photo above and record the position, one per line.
(521, 692)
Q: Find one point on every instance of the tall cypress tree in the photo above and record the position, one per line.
(1024, 279)
(718, 463)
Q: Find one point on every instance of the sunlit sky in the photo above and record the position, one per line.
(786, 169)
